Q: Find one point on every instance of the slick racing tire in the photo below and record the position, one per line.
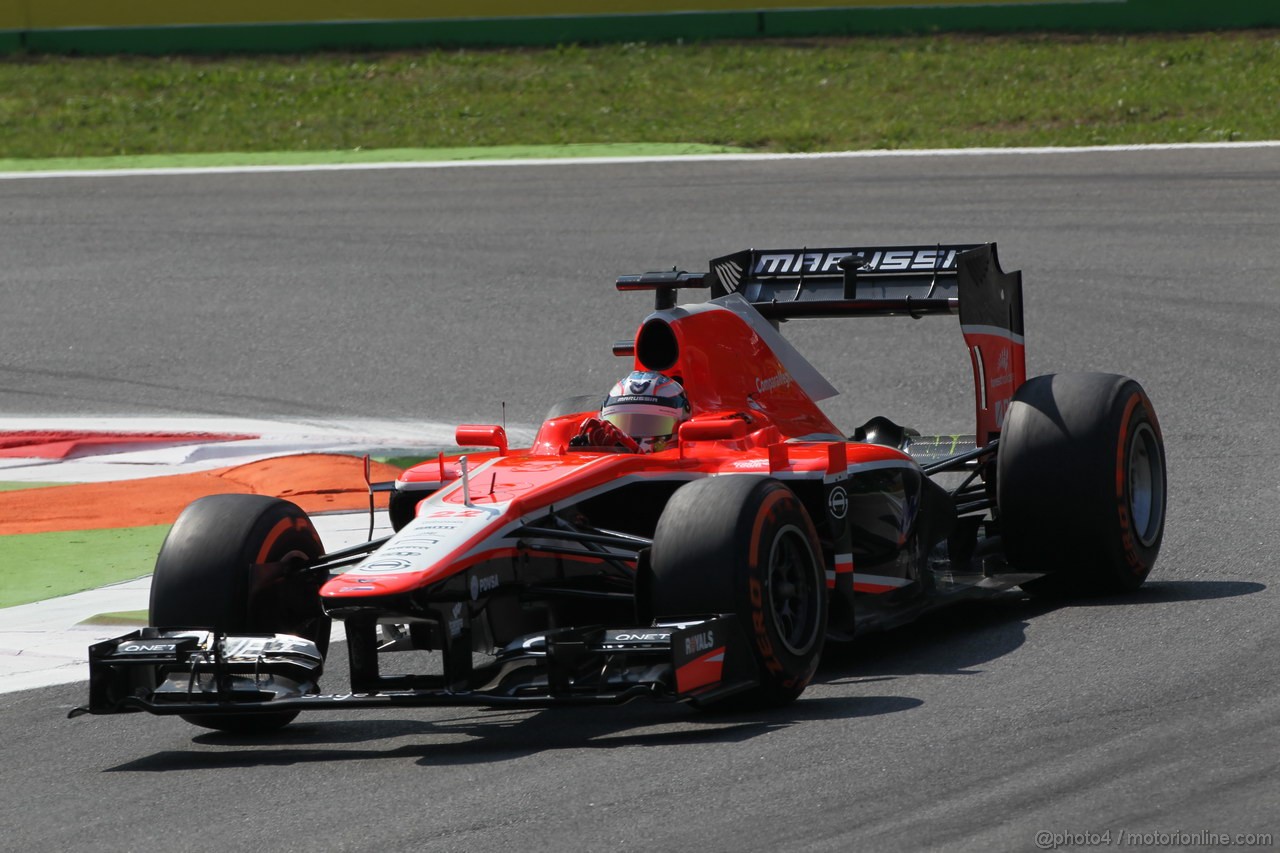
(1080, 483)
(235, 563)
(745, 545)
(402, 507)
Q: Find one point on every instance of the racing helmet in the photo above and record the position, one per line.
(647, 406)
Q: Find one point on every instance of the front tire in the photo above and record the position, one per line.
(745, 545)
(402, 507)
(235, 563)
(1081, 483)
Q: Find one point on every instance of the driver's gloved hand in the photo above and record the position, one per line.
(594, 432)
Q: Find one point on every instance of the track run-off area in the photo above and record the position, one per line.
(481, 294)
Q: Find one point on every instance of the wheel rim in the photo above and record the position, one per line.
(1146, 484)
(793, 591)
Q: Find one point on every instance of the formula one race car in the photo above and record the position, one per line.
(710, 571)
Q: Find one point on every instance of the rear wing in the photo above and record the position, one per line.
(785, 283)
(912, 281)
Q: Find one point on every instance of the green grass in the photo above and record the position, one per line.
(931, 91)
(403, 462)
(38, 566)
(119, 617)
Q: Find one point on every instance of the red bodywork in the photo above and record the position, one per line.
(754, 408)
(751, 414)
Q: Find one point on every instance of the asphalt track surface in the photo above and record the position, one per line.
(440, 294)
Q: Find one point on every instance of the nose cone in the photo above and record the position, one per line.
(464, 524)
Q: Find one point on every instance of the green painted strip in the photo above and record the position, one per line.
(17, 487)
(1069, 15)
(1131, 16)
(390, 155)
(43, 14)
(39, 566)
(383, 35)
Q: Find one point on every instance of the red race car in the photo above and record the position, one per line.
(696, 535)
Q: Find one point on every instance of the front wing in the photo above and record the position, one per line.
(203, 672)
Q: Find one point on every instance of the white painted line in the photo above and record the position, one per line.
(260, 426)
(271, 439)
(605, 161)
(44, 643)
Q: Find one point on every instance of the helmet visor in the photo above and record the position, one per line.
(643, 424)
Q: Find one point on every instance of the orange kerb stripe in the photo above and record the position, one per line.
(316, 482)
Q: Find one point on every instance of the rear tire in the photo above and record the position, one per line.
(1081, 483)
(745, 545)
(234, 563)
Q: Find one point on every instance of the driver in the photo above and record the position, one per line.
(641, 414)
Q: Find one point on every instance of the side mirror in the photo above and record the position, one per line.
(482, 435)
(721, 429)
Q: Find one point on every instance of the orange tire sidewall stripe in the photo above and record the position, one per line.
(764, 515)
(282, 527)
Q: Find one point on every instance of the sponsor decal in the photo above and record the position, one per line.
(838, 502)
(1002, 374)
(639, 384)
(146, 648)
(251, 647)
(729, 272)
(481, 585)
(388, 565)
(698, 654)
(457, 623)
(422, 539)
(699, 643)
(700, 672)
(412, 547)
(646, 399)
(650, 637)
(750, 464)
(401, 555)
(828, 262)
(784, 263)
(779, 380)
